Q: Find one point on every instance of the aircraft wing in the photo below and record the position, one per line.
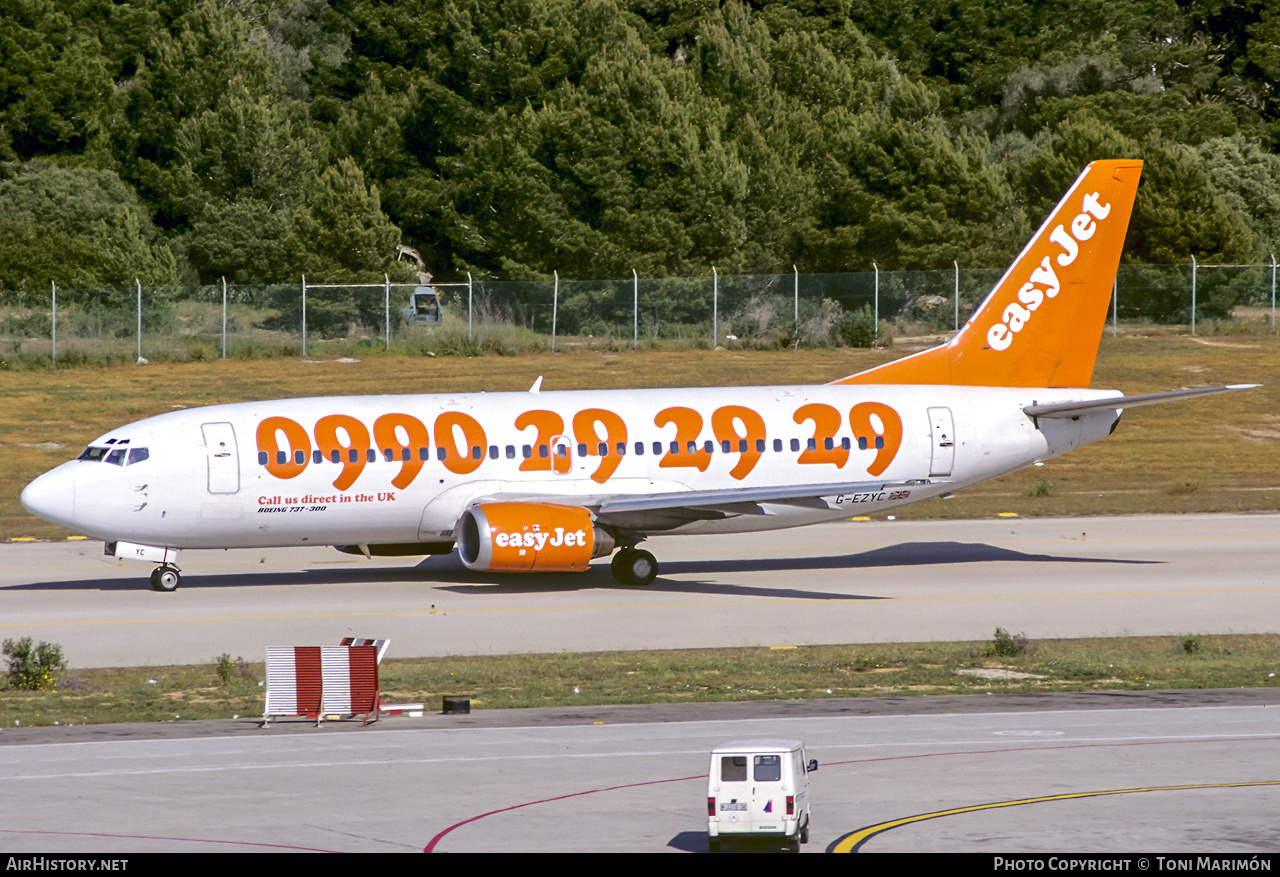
(1074, 409)
(671, 509)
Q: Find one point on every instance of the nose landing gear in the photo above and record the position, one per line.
(165, 578)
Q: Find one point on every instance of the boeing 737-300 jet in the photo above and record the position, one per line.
(547, 481)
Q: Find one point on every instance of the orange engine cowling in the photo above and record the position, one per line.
(530, 536)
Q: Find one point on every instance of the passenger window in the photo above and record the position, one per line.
(733, 769)
(511, 452)
(768, 768)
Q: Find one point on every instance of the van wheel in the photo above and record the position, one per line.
(804, 833)
(715, 845)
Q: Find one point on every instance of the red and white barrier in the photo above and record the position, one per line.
(318, 681)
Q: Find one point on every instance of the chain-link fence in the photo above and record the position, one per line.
(208, 322)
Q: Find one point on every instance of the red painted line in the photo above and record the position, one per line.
(430, 847)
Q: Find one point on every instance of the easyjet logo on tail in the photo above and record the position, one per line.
(1044, 282)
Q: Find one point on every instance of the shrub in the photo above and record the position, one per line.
(858, 328)
(32, 668)
(1007, 645)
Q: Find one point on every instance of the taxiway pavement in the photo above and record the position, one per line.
(848, 582)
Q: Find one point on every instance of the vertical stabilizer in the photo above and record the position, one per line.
(1041, 324)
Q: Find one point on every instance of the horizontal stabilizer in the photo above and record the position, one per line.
(1073, 409)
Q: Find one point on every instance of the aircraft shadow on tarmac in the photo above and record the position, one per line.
(448, 573)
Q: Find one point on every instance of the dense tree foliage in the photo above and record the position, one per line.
(184, 140)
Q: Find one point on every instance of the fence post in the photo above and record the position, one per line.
(877, 297)
(139, 285)
(304, 315)
(957, 264)
(224, 318)
(1273, 292)
(555, 305)
(797, 297)
(468, 306)
(54, 336)
(635, 310)
(1193, 295)
(386, 320)
(715, 308)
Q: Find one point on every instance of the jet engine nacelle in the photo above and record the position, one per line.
(530, 537)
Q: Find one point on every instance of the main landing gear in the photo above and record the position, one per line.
(632, 566)
(165, 577)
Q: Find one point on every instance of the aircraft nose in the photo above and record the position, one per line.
(52, 496)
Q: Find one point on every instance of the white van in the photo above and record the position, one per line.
(759, 789)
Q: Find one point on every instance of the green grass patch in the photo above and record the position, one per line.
(224, 688)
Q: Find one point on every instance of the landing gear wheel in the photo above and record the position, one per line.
(631, 566)
(165, 578)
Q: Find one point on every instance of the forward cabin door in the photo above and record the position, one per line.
(224, 462)
(944, 441)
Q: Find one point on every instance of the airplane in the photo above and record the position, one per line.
(550, 480)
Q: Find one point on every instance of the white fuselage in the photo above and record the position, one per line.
(401, 469)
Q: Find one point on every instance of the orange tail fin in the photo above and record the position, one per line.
(1041, 324)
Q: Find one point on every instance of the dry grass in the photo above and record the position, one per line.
(1215, 454)
(569, 679)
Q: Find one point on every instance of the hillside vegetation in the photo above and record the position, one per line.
(179, 141)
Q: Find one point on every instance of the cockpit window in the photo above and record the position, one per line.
(119, 456)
